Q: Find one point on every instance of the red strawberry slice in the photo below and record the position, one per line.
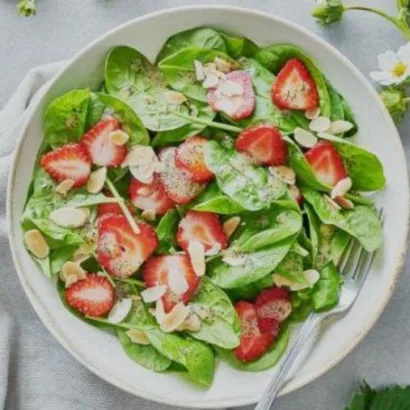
(272, 306)
(157, 271)
(190, 157)
(254, 343)
(294, 88)
(112, 208)
(92, 296)
(178, 183)
(71, 161)
(101, 149)
(120, 251)
(326, 163)
(204, 227)
(234, 95)
(264, 143)
(150, 196)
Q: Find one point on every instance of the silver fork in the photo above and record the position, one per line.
(354, 266)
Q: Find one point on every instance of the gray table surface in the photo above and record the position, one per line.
(63, 27)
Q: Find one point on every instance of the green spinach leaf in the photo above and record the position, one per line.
(239, 46)
(166, 231)
(327, 289)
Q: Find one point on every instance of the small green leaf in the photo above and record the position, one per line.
(327, 289)
(363, 398)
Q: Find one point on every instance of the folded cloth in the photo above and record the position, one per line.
(36, 373)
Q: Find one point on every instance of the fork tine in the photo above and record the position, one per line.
(346, 255)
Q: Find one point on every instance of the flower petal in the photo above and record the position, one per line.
(387, 60)
(404, 53)
(381, 76)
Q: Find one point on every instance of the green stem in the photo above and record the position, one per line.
(135, 282)
(103, 271)
(106, 322)
(401, 25)
(123, 207)
(213, 124)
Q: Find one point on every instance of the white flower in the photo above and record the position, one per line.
(395, 68)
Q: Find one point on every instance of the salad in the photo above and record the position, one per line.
(197, 208)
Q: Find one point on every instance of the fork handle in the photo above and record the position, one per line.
(292, 353)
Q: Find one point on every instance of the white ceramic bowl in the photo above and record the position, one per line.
(102, 353)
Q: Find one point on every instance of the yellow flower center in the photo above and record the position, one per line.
(399, 69)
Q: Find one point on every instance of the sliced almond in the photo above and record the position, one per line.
(281, 281)
(341, 188)
(230, 88)
(177, 282)
(211, 81)
(196, 253)
(339, 127)
(174, 319)
(312, 113)
(199, 70)
(320, 124)
(86, 212)
(144, 174)
(68, 217)
(120, 310)
(138, 337)
(332, 203)
(153, 294)
(175, 98)
(344, 202)
(223, 65)
(159, 311)
(234, 258)
(140, 155)
(36, 244)
(70, 280)
(305, 138)
(211, 69)
(83, 252)
(119, 137)
(65, 186)
(285, 174)
(216, 248)
(97, 180)
(230, 225)
(203, 313)
(192, 323)
(149, 215)
(299, 286)
(71, 268)
(311, 275)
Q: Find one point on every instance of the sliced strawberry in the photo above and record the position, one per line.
(71, 161)
(204, 227)
(326, 163)
(294, 88)
(112, 208)
(120, 250)
(272, 306)
(264, 143)
(157, 271)
(92, 296)
(254, 343)
(178, 183)
(295, 192)
(150, 196)
(234, 95)
(190, 157)
(100, 147)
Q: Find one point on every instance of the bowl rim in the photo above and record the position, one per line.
(236, 400)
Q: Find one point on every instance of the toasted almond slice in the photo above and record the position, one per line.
(140, 155)
(199, 71)
(311, 275)
(216, 248)
(192, 323)
(211, 81)
(299, 286)
(86, 212)
(153, 294)
(36, 244)
(230, 88)
(305, 138)
(83, 251)
(64, 186)
(72, 269)
(120, 310)
(344, 202)
(320, 124)
(339, 127)
(230, 225)
(138, 337)
(312, 113)
(143, 174)
(177, 282)
(325, 135)
(196, 253)
(234, 259)
(135, 298)
(175, 98)
(71, 280)
(119, 137)
(341, 188)
(97, 180)
(174, 319)
(148, 215)
(223, 65)
(159, 311)
(285, 174)
(332, 203)
(68, 217)
(280, 281)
